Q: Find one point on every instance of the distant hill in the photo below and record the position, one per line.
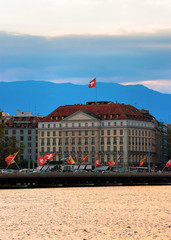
(43, 97)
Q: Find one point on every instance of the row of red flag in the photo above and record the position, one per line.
(42, 160)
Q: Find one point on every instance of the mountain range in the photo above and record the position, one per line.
(41, 97)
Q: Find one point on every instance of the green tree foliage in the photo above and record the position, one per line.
(8, 146)
(169, 141)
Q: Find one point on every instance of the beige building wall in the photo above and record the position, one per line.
(81, 134)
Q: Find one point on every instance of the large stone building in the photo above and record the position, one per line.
(103, 130)
(23, 127)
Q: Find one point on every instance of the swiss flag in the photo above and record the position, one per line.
(168, 164)
(97, 162)
(92, 83)
(41, 161)
(49, 156)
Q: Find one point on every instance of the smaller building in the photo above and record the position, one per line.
(23, 127)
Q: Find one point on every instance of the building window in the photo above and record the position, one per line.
(13, 131)
(93, 133)
(66, 133)
(108, 132)
(108, 124)
(108, 140)
(42, 134)
(54, 141)
(73, 141)
(79, 141)
(115, 124)
(42, 142)
(54, 149)
(115, 140)
(60, 133)
(121, 132)
(73, 133)
(79, 124)
(86, 141)
(114, 132)
(102, 124)
(29, 138)
(42, 149)
(43, 125)
(48, 125)
(21, 138)
(86, 133)
(21, 131)
(48, 149)
(6, 132)
(48, 142)
(121, 123)
(92, 124)
(54, 133)
(93, 141)
(102, 141)
(79, 133)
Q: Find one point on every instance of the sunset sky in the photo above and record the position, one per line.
(125, 41)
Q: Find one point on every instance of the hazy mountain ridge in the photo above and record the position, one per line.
(43, 97)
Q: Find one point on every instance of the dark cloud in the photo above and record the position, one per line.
(123, 58)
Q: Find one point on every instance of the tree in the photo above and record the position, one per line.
(8, 145)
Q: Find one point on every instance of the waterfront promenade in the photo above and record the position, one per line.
(70, 179)
(103, 213)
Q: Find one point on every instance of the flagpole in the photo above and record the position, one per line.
(148, 158)
(123, 163)
(95, 160)
(64, 156)
(96, 91)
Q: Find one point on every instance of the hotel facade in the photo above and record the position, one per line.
(102, 130)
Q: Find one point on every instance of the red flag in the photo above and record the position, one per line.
(41, 161)
(117, 160)
(70, 160)
(49, 156)
(92, 83)
(97, 162)
(84, 158)
(168, 164)
(10, 159)
(143, 160)
(111, 163)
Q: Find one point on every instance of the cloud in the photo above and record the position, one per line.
(76, 59)
(161, 85)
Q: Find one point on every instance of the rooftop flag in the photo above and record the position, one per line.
(41, 161)
(84, 158)
(168, 164)
(49, 156)
(92, 83)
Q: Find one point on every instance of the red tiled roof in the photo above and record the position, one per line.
(103, 111)
(17, 122)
